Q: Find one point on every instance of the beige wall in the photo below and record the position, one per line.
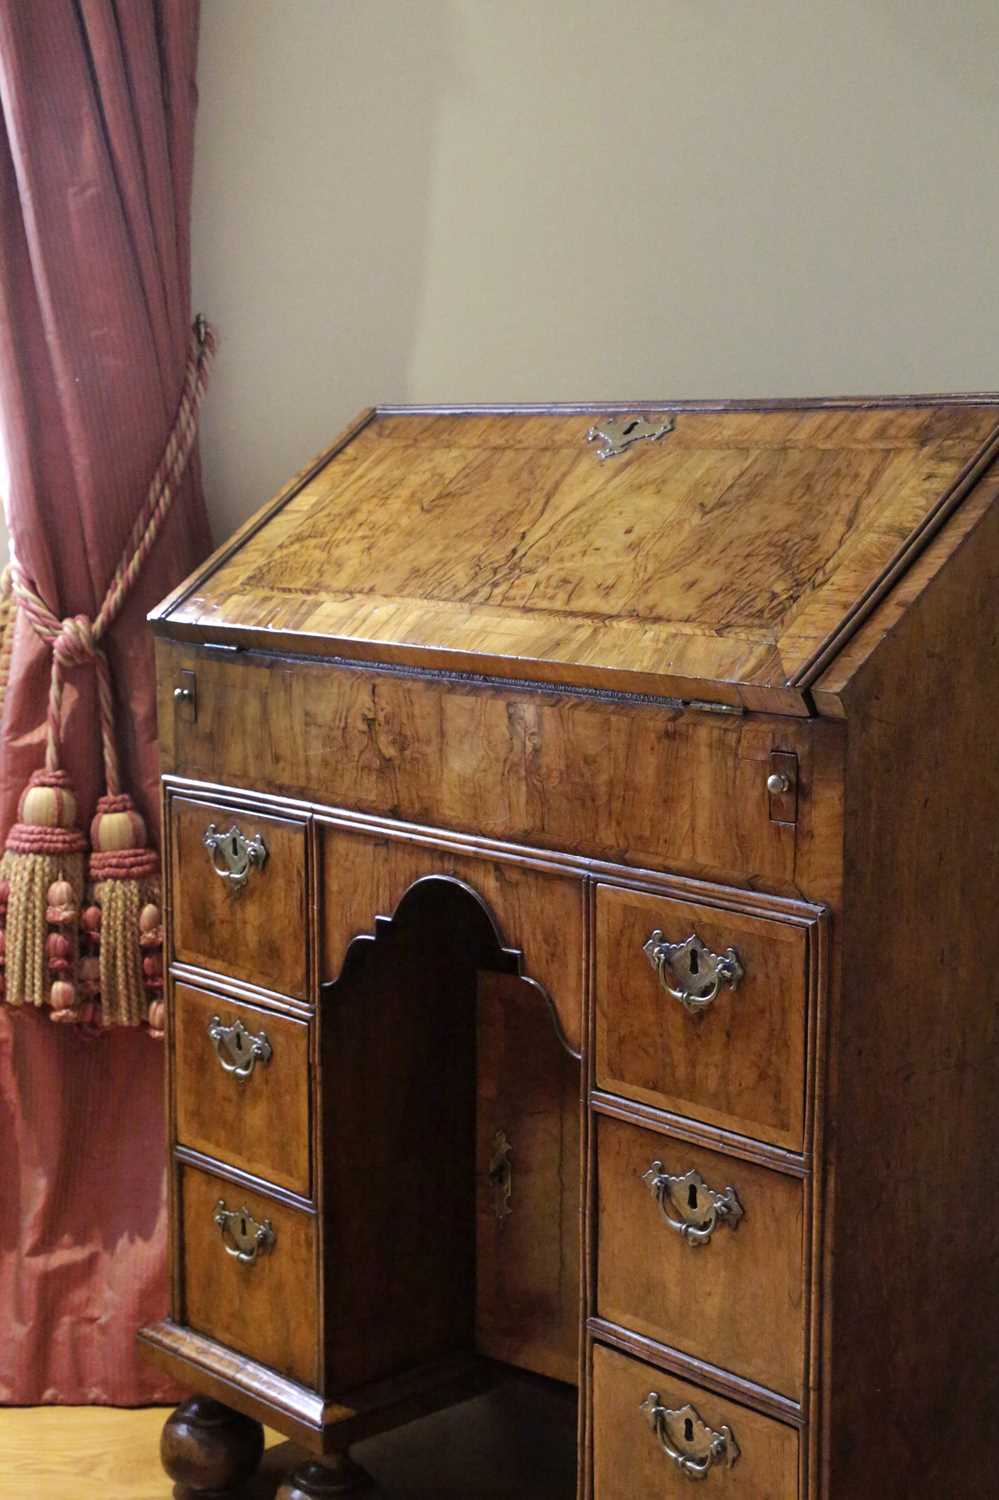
(422, 200)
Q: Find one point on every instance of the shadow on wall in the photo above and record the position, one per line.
(317, 141)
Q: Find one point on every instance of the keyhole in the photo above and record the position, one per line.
(631, 426)
(692, 1196)
(242, 1227)
(695, 961)
(688, 1430)
(238, 1042)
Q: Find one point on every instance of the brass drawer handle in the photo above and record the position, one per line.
(243, 1236)
(687, 1440)
(234, 855)
(690, 972)
(697, 1210)
(237, 1049)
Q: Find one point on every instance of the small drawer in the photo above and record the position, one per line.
(238, 882)
(731, 1054)
(242, 1086)
(249, 1273)
(653, 1434)
(702, 1252)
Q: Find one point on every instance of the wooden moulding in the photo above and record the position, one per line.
(681, 886)
(711, 1377)
(322, 1427)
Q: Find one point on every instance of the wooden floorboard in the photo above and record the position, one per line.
(515, 1443)
(61, 1452)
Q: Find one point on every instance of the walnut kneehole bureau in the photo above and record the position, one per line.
(581, 835)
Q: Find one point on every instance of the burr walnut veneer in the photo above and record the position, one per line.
(580, 833)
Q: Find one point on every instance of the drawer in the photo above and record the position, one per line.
(242, 1086)
(732, 1295)
(239, 913)
(266, 1306)
(640, 1412)
(738, 1062)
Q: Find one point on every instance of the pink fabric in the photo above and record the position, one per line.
(97, 106)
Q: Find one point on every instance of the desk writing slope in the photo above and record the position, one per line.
(718, 562)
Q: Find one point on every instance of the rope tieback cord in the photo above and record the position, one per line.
(76, 641)
(83, 935)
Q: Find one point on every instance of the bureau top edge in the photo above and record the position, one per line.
(749, 555)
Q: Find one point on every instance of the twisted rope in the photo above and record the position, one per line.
(7, 613)
(76, 641)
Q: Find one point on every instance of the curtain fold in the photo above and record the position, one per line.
(97, 109)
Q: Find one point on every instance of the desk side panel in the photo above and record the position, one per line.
(912, 1308)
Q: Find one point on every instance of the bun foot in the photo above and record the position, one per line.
(338, 1475)
(209, 1450)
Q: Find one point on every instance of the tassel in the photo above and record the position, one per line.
(123, 882)
(44, 850)
(151, 941)
(4, 897)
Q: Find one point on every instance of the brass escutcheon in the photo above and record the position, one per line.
(618, 433)
(233, 855)
(690, 972)
(689, 1206)
(243, 1236)
(687, 1440)
(237, 1049)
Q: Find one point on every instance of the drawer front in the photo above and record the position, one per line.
(239, 908)
(728, 1289)
(264, 1307)
(737, 1061)
(242, 1086)
(632, 1433)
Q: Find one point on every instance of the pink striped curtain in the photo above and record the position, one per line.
(97, 108)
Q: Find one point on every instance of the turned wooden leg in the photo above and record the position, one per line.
(209, 1449)
(336, 1475)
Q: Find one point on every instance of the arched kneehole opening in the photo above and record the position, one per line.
(453, 1150)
